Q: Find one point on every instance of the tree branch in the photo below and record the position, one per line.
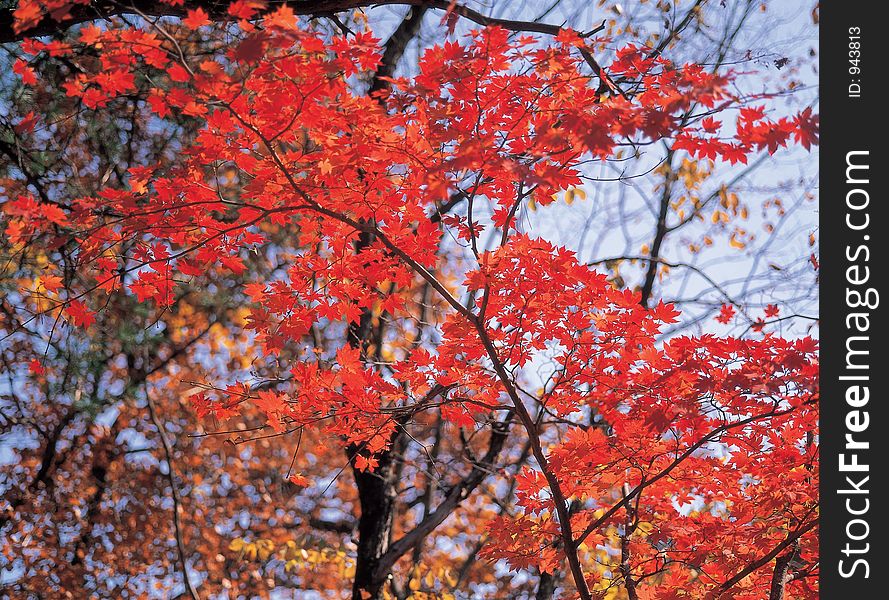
(217, 10)
(766, 559)
(395, 47)
(174, 495)
(659, 235)
(480, 469)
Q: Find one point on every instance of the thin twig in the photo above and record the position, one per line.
(174, 494)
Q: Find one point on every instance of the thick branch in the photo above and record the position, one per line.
(626, 568)
(456, 495)
(395, 47)
(546, 586)
(555, 487)
(217, 10)
(781, 575)
(766, 559)
(660, 234)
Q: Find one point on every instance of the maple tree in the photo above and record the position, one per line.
(345, 272)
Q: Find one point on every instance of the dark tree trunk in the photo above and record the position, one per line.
(376, 493)
(781, 575)
(377, 490)
(546, 586)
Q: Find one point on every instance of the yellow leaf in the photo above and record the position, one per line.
(615, 592)
(264, 549)
(572, 194)
(290, 550)
(645, 527)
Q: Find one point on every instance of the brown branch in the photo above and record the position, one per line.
(546, 586)
(340, 527)
(368, 228)
(677, 461)
(503, 508)
(216, 10)
(18, 156)
(693, 11)
(395, 47)
(660, 234)
(678, 265)
(48, 458)
(626, 569)
(174, 495)
(781, 573)
(480, 469)
(766, 559)
(431, 484)
(555, 487)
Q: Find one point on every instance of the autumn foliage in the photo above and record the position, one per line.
(328, 219)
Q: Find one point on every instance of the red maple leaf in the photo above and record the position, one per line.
(196, 17)
(80, 315)
(726, 313)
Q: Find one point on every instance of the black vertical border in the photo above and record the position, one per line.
(851, 124)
